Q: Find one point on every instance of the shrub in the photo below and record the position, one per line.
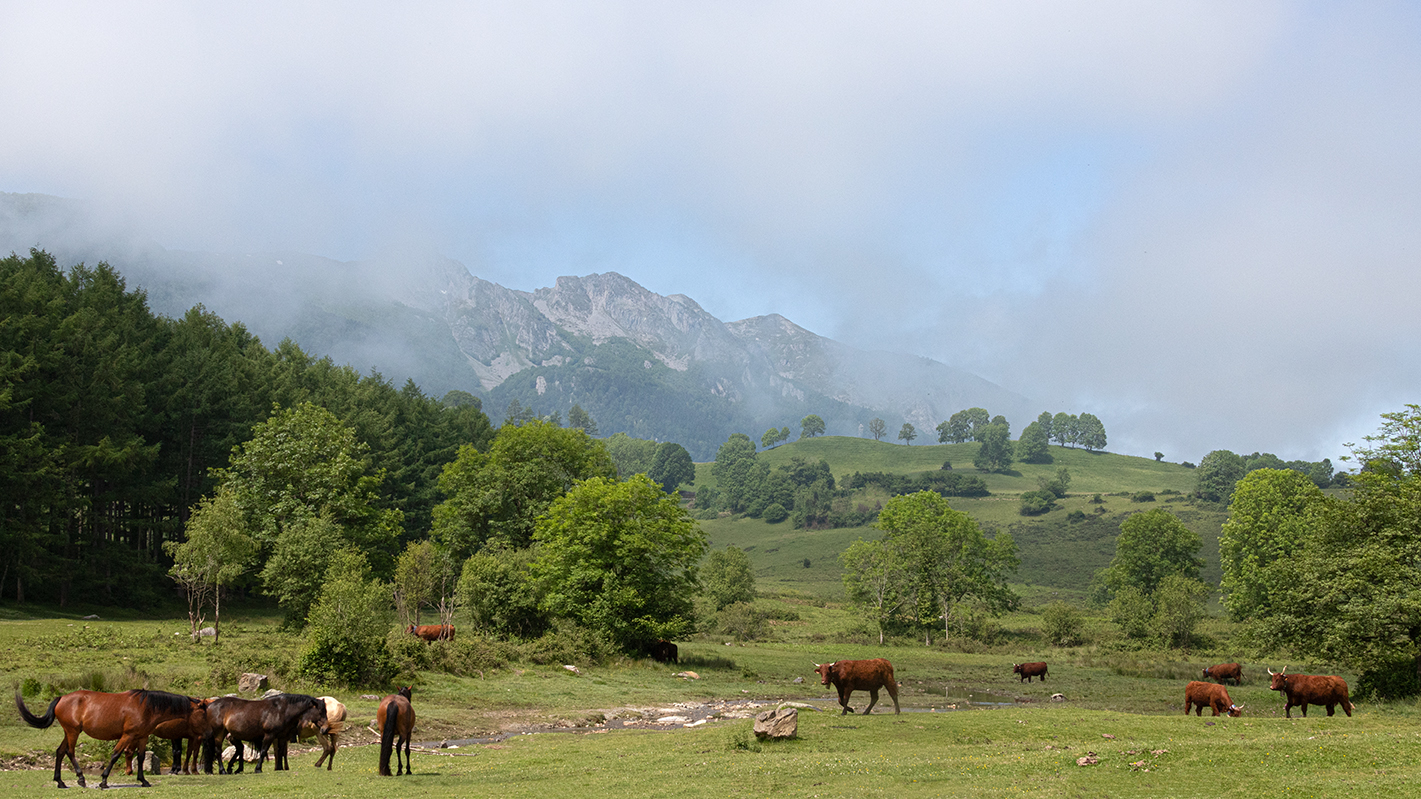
(568, 643)
(775, 513)
(1062, 624)
(348, 627)
(1076, 516)
(1143, 496)
(743, 621)
(1035, 503)
(1395, 680)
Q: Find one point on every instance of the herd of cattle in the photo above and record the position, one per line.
(1300, 690)
(272, 723)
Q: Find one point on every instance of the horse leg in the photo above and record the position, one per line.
(409, 764)
(59, 761)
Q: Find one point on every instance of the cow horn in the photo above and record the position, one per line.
(1285, 668)
(816, 665)
(1270, 671)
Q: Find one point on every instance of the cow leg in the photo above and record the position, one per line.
(872, 700)
(1329, 711)
(844, 701)
(1305, 710)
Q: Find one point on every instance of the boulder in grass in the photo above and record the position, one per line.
(251, 683)
(777, 724)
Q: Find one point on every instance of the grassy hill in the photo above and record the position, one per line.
(1059, 553)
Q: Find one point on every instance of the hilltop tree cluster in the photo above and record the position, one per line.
(1221, 470)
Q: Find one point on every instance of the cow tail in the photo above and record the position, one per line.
(387, 737)
(38, 722)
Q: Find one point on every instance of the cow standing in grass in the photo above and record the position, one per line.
(1029, 670)
(432, 632)
(859, 675)
(1225, 671)
(1311, 689)
(1200, 695)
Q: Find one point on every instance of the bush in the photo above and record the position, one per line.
(775, 513)
(1143, 496)
(1035, 503)
(348, 627)
(743, 621)
(1076, 516)
(568, 643)
(1062, 624)
(1395, 680)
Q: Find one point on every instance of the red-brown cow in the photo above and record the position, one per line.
(1225, 671)
(859, 675)
(1311, 689)
(1029, 670)
(664, 651)
(432, 632)
(1206, 694)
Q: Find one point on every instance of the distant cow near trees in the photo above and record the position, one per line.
(1225, 671)
(1029, 670)
(664, 652)
(432, 632)
(1200, 695)
(1311, 689)
(859, 675)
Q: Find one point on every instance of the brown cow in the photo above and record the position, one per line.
(859, 675)
(664, 652)
(432, 632)
(1206, 694)
(1225, 671)
(1311, 689)
(1029, 670)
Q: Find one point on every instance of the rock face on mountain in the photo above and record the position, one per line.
(642, 363)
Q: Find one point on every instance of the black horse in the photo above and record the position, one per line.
(261, 722)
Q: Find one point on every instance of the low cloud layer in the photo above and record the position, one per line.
(1197, 221)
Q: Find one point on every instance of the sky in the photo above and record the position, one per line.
(1199, 221)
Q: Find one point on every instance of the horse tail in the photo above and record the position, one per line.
(387, 736)
(39, 722)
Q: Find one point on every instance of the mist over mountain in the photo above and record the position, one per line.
(649, 365)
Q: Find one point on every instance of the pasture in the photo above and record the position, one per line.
(969, 727)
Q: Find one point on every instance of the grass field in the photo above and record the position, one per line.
(1004, 738)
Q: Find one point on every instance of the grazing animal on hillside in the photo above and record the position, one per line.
(262, 722)
(395, 718)
(1029, 670)
(190, 729)
(335, 720)
(432, 632)
(859, 675)
(1206, 694)
(128, 718)
(1311, 689)
(664, 652)
(1225, 671)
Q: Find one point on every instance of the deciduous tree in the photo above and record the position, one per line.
(995, 454)
(1033, 447)
(1217, 474)
(728, 578)
(878, 428)
(1272, 514)
(907, 433)
(672, 466)
(811, 426)
(1151, 546)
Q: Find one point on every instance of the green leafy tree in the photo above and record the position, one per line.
(879, 428)
(1090, 432)
(770, 438)
(1065, 428)
(1046, 421)
(216, 553)
(496, 497)
(620, 558)
(739, 476)
(728, 578)
(995, 454)
(1217, 474)
(1034, 445)
(672, 467)
(1057, 485)
(811, 426)
(1272, 513)
(631, 455)
(876, 581)
(416, 580)
(907, 433)
(1151, 546)
(949, 560)
(1178, 609)
(582, 420)
(347, 626)
(298, 563)
(497, 591)
(1159, 456)
(1350, 593)
(1035, 503)
(1133, 611)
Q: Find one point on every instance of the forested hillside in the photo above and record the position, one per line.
(112, 420)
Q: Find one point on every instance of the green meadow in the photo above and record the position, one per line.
(968, 726)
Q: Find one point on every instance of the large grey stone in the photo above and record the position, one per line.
(777, 724)
(251, 683)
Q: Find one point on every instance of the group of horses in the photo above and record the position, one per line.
(269, 724)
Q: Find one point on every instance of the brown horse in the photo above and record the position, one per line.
(190, 729)
(395, 718)
(129, 718)
(262, 722)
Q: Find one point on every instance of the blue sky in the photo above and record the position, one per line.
(1197, 220)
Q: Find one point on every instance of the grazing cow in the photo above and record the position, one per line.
(1225, 671)
(664, 652)
(1206, 694)
(1029, 670)
(859, 675)
(1311, 689)
(432, 632)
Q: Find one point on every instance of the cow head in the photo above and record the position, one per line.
(1206, 672)
(825, 672)
(1016, 668)
(410, 629)
(1235, 710)
(1279, 680)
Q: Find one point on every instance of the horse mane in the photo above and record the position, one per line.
(164, 702)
